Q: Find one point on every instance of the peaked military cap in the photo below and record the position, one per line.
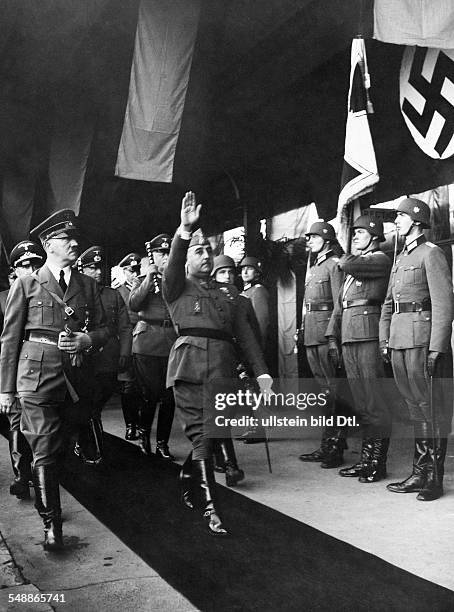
(159, 243)
(417, 210)
(323, 229)
(131, 260)
(251, 261)
(24, 252)
(59, 223)
(199, 239)
(93, 256)
(373, 226)
(222, 261)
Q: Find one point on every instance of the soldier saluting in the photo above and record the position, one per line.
(207, 316)
(50, 370)
(415, 334)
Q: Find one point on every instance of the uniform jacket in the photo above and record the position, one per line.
(323, 282)
(151, 338)
(370, 273)
(32, 367)
(193, 302)
(421, 272)
(120, 340)
(125, 293)
(259, 297)
(3, 298)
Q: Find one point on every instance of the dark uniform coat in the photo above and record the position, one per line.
(259, 297)
(36, 368)
(120, 340)
(153, 333)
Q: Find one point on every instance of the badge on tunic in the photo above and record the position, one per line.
(197, 308)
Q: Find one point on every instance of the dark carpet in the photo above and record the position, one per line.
(272, 562)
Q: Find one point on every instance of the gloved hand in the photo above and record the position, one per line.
(265, 382)
(334, 352)
(385, 353)
(431, 361)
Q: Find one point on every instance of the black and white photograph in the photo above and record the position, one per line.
(226, 305)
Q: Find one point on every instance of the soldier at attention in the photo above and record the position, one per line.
(207, 316)
(415, 334)
(354, 323)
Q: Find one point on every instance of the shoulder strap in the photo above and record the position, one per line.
(68, 310)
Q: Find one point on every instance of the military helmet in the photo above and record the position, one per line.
(251, 261)
(323, 229)
(222, 261)
(372, 225)
(417, 210)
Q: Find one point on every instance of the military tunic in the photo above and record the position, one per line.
(153, 338)
(38, 371)
(355, 322)
(420, 277)
(259, 297)
(322, 286)
(194, 361)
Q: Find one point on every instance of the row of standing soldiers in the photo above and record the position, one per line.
(369, 312)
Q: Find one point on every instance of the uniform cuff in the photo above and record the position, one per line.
(185, 235)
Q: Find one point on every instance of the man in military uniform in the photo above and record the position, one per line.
(251, 274)
(25, 258)
(415, 332)
(355, 322)
(207, 317)
(130, 395)
(323, 281)
(153, 337)
(54, 320)
(114, 356)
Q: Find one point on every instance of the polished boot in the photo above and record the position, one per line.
(144, 441)
(433, 486)
(47, 495)
(203, 468)
(319, 454)
(233, 474)
(162, 451)
(21, 457)
(358, 468)
(375, 465)
(335, 446)
(415, 482)
(90, 444)
(219, 466)
(186, 481)
(130, 415)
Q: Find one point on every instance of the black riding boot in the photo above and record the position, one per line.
(90, 443)
(203, 468)
(47, 495)
(358, 468)
(335, 446)
(233, 474)
(415, 482)
(375, 465)
(320, 453)
(21, 457)
(435, 469)
(164, 427)
(218, 458)
(186, 482)
(146, 417)
(129, 404)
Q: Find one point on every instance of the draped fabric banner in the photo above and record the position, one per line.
(165, 38)
(426, 23)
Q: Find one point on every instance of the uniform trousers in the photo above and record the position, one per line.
(151, 372)
(14, 416)
(413, 382)
(192, 402)
(104, 387)
(365, 373)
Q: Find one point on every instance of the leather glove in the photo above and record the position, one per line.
(334, 352)
(431, 361)
(385, 353)
(124, 363)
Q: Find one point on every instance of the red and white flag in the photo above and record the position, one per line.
(359, 174)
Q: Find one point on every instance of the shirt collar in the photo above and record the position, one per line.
(56, 271)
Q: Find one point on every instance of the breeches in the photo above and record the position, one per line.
(365, 373)
(190, 400)
(14, 416)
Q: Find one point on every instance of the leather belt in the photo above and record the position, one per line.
(205, 332)
(161, 322)
(44, 337)
(318, 306)
(400, 307)
(353, 303)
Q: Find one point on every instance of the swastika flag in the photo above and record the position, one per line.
(359, 174)
(427, 99)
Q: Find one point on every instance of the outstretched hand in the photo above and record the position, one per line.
(190, 211)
